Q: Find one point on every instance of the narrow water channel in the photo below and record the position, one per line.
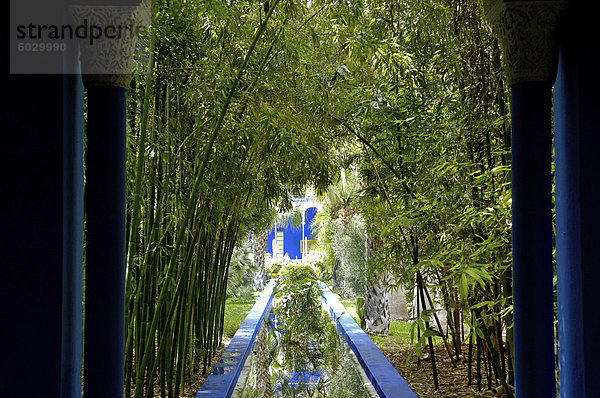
(299, 353)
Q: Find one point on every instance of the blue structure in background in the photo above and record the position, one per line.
(292, 240)
(310, 214)
(288, 238)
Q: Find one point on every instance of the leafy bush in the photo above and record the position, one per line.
(275, 267)
(298, 305)
(241, 268)
(302, 331)
(315, 259)
(348, 244)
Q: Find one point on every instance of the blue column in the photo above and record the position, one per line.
(577, 139)
(72, 215)
(31, 234)
(105, 242)
(532, 239)
(72, 244)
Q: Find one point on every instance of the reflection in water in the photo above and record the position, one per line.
(222, 370)
(303, 366)
(298, 352)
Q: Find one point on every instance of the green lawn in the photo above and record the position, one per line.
(236, 309)
(399, 334)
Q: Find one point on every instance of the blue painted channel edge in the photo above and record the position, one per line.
(385, 378)
(224, 376)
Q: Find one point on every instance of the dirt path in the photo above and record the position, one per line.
(452, 380)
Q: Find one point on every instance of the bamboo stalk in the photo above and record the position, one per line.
(470, 355)
(190, 209)
(430, 340)
(439, 325)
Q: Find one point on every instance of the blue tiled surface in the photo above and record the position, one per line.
(385, 378)
(222, 380)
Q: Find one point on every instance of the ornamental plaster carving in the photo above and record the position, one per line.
(107, 41)
(527, 31)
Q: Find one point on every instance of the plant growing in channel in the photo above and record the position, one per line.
(298, 307)
(302, 352)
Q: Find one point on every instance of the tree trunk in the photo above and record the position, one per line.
(259, 277)
(377, 314)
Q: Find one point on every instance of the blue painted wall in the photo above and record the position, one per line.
(309, 215)
(292, 236)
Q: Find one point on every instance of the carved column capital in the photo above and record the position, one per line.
(526, 31)
(107, 40)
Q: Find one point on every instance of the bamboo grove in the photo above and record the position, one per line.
(247, 103)
(429, 122)
(210, 162)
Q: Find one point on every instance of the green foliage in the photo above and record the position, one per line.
(344, 379)
(219, 138)
(301, 335)
(275, 267)
(416, 86)
(241, 267)
(341, 232)
(298, 302)
(360, 307)
(314, 259)
(305, 340)
(399, 104)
